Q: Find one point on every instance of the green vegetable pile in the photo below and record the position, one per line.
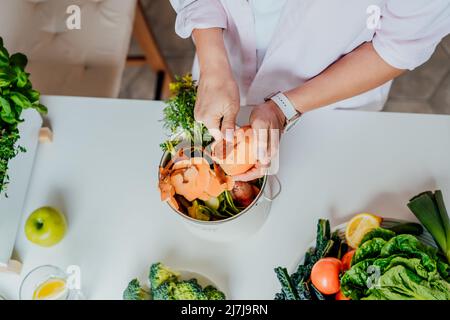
(396, 267)
(16, 95)
(387, 266)
(179, 116)
(389, 263)
(298, 285)
(165, 284)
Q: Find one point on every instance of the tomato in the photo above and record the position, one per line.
(341, 296)
(347, 260)
(325, 275)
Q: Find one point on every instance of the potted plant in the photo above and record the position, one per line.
(19, 128)
(16, 95)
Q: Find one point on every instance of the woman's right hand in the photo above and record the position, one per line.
(217, 104)
(218, 94)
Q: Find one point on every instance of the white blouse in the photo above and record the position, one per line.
(266, 15)
(310, 35)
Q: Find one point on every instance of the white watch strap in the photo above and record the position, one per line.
(285, 105)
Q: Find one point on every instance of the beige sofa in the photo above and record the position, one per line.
(85, 62)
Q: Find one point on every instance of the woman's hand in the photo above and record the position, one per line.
(267, 121)
(217, 104)
(218, 94)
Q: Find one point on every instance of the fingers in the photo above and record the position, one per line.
(262, 133)
(212, 122)
(257, 172)
(219, 127)
(228, 126)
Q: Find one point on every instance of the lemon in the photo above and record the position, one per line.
(52, 289)
(358, 226)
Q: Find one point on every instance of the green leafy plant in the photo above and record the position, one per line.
(179, 115)
(405, 269)
(16, 94)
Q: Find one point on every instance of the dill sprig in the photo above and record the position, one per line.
(179, 115)
(8, 151)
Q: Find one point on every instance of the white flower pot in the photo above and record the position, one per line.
(19, 171)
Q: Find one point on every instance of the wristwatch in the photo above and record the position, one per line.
(292, 115)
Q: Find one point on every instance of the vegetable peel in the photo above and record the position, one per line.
(193, 179)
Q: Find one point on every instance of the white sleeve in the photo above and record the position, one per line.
(198, 14)
(410, 30)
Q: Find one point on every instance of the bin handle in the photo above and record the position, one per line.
(277, 193)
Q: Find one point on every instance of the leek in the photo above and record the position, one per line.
(430, 209)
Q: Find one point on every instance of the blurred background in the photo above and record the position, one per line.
(133, 52)
(424, 90)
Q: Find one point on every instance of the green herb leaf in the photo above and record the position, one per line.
(19, 59)
(4, 57)
(6, 113)
(179, 113)
(20, 100)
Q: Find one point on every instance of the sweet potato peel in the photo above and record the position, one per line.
(193, 179)
(239, 156)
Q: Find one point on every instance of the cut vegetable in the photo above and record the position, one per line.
(359, 226)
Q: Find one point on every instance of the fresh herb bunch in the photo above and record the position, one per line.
(16, 95)
(179, 115)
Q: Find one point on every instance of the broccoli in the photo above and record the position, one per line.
(166, 285)
(164, 291)
(189, 290)
(160, 274)
(213, 293)
(134, 291)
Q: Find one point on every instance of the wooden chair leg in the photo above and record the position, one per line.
(13, 266)
(144, 36)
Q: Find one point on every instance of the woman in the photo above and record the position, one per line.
(289, 57)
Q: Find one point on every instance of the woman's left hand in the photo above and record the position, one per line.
(268, 122)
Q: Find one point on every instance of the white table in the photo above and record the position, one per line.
(101, 172)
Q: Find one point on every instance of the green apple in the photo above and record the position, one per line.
(45, 227)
